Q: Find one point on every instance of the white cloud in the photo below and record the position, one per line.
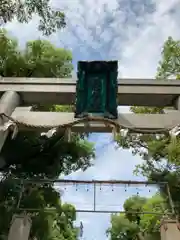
(131, 31)
(141, 55)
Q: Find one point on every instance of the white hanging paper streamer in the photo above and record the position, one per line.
(175, 132)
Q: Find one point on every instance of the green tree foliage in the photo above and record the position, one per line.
(133, 226)
(134, 204)
(40, 156)
(32, 155)
(58, 222)
(24, 10)
(159, 152)
(122, 228)
(39, 59)
(169, 66)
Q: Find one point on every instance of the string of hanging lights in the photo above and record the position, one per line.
(95, 187)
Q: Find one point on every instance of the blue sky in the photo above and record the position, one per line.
(132, 32)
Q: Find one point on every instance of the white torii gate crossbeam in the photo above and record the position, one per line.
(131, 92)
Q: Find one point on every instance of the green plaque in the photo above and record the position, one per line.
(96, 89)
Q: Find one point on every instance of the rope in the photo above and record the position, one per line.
(106, 121)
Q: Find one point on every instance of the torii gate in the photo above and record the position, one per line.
(18, 94)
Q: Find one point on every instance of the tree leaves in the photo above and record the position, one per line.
(24, 10)
(39, 59)
(128, 226)
(169, 66)
(122, 228)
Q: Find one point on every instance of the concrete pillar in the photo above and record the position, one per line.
(170, 230)
(20, 228)
(8, 102)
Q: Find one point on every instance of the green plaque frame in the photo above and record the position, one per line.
(96, 89)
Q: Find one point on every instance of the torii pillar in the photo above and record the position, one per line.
(170, 229)
(20, 227)
(8, 102)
